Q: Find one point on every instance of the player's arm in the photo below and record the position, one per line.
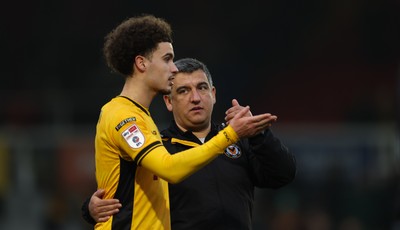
(174, 168)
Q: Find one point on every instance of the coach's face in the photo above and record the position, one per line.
(191, 100)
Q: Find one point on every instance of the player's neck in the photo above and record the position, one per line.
(138, 92)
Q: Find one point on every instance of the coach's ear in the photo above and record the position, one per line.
(214, 93)
(167, 100)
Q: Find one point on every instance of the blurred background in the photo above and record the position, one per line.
(329, 69)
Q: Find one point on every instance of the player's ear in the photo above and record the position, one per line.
(167, 100)
(140, 63)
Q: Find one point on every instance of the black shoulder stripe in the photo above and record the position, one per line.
(146, 150)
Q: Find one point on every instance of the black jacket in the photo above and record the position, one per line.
(221, 195)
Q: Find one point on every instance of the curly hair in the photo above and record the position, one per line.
(135, 36)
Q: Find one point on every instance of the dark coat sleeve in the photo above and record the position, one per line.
(271, 163)
(85, 212)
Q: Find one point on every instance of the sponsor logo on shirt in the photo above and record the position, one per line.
(124, 122)
(133, 136)
(227, 136)
(233, 151)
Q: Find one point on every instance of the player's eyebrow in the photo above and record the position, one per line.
(168, 55)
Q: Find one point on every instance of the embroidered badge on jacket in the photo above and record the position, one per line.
(133, 136)
(233, 151)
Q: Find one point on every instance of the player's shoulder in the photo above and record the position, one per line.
(116, 103)
(117, 110)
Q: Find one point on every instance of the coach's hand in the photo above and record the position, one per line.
(102, 210)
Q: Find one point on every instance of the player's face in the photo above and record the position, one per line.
(161, 68)
(191, 100)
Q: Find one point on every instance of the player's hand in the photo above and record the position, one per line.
(101, 210)
(231, 112)
(249, 126)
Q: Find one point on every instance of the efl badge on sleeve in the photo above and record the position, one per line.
(133, 136)
(233, 151)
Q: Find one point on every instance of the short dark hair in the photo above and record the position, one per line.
(135, 36)
(189, 65)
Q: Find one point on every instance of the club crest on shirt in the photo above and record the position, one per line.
(233, 151)
(133, 136)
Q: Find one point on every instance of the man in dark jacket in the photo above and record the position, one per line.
(220, 195)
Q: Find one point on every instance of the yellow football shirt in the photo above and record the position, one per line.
(132, 163)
